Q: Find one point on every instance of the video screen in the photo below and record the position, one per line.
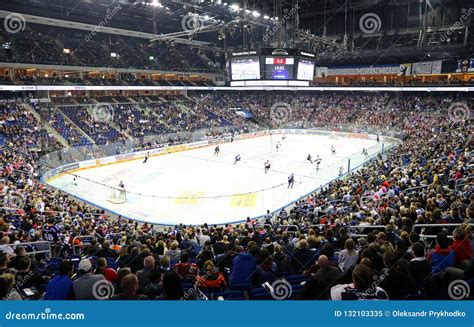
(305, 70)
(279, 68)
(245, 68)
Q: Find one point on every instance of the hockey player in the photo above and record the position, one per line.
(267, 166)
(365, 152)
(216, 151)
(291, 181)
(146, 157)
(333, 150)
(309, 158)
(237, 158)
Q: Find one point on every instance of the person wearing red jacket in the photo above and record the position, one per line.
(212, 278)
(461, 246)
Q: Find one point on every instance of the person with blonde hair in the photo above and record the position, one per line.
(174, 253)
(349, 256)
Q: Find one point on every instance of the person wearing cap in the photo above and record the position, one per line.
(83, 287)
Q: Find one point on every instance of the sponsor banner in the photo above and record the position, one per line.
(69, 167)
(176, 148)
(426, 67)
(127, 156)
(361, 70)
(355, 135)
(404, 70)
(156, 151)
(106, 160)
(197, 144)
(88, 163)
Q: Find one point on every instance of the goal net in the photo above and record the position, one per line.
(117, 195)
(333, 136)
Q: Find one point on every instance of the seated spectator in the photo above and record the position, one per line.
(20, 252)
(172, 287)
(84, 286)
(266, 267)
(349, 256)
(129, 287)
(109, 273)
(419, 267)
(106, 251)
(396, 279)
(8, 291)
(164, 264)
(302, 257)
(61, 286)
(4, 262)
(362, 287)
(461, 246)
(154, 288)
(442, 256)
(174, 253)
(185, 269)
(281, 260)
(211, 278)
(327, 273)
(143, 275)
(244, 266)
(26, 278)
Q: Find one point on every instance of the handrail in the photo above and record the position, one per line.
(74, 246)
(47, 251)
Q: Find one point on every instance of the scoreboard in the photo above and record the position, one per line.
(271, 65)
(279, 67)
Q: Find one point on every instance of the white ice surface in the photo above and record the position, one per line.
(194, 187)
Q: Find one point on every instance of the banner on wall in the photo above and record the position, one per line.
(357, 70)
(404, 70)
(427, 67)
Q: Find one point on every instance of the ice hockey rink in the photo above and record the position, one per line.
(196, 187)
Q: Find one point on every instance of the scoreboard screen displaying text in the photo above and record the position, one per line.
(305, 70)
(245, 68)
(280, 68)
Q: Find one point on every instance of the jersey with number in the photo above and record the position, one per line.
(51, 234)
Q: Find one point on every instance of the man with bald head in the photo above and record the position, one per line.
(327, 273)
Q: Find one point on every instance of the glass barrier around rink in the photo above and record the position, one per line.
(173, 206)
